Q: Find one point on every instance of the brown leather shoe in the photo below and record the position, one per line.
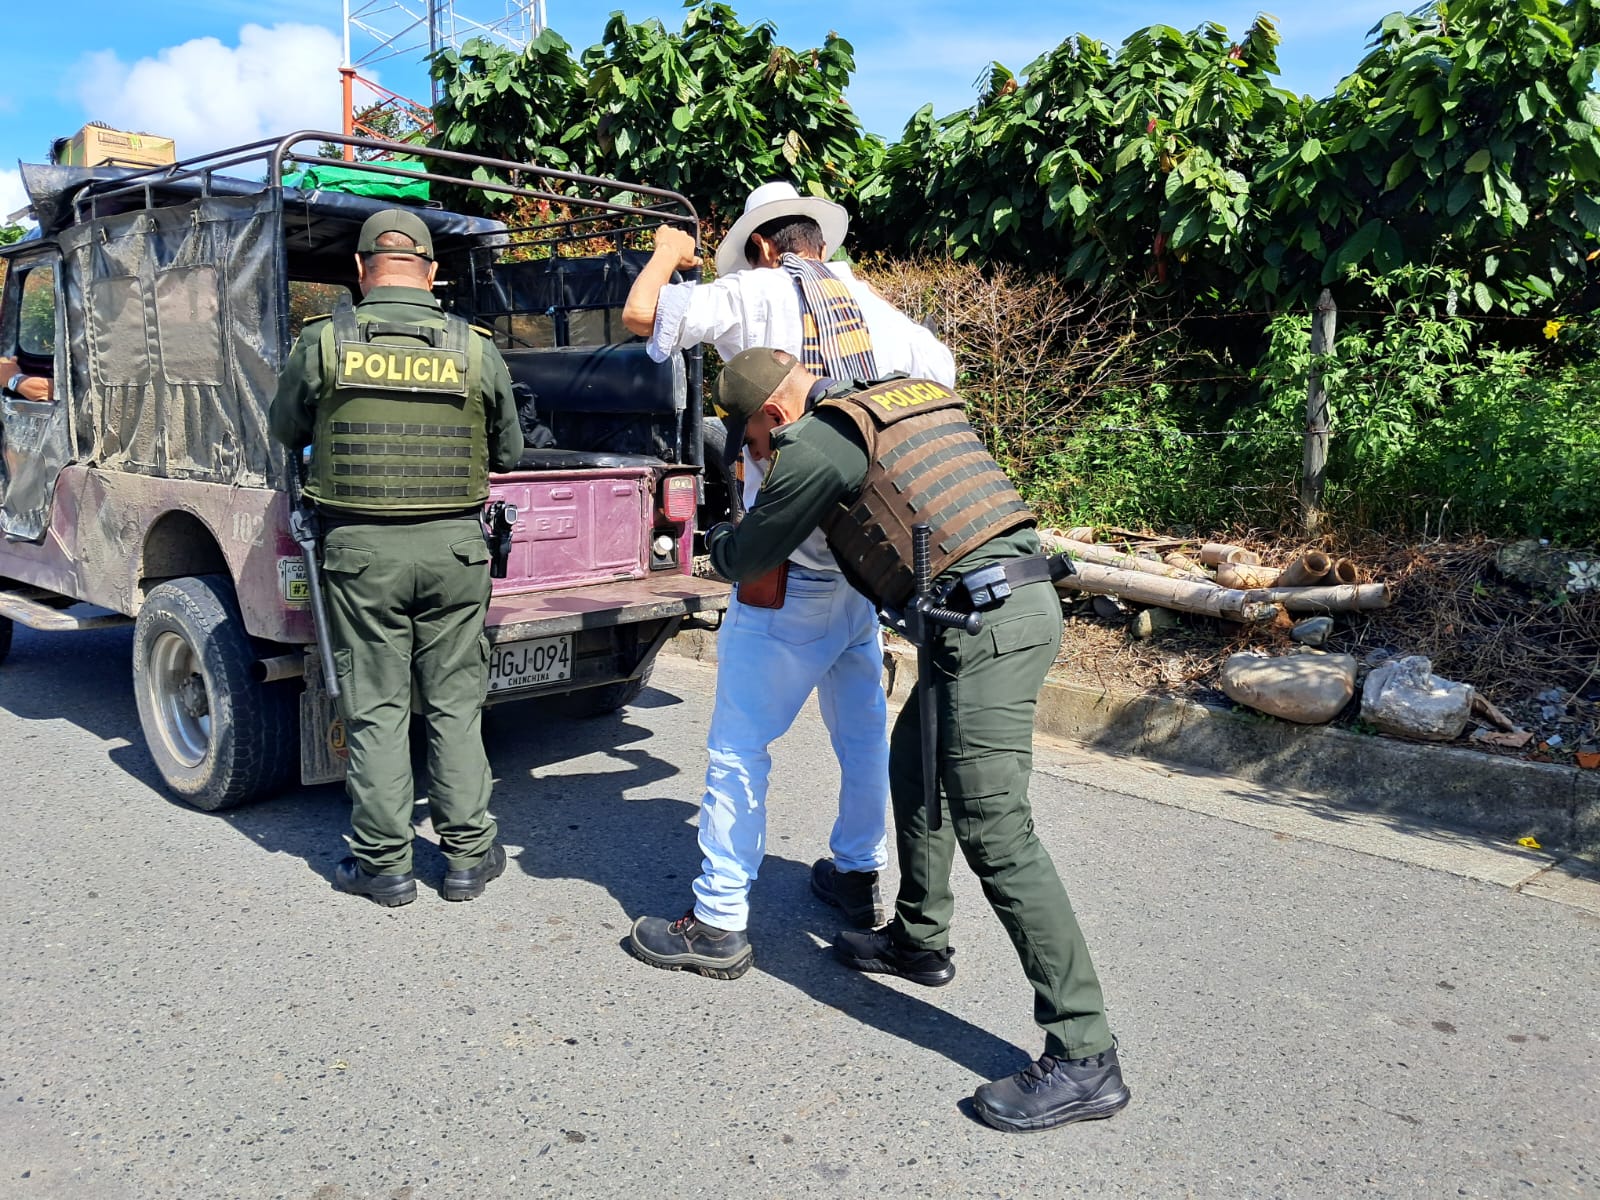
(855, 892)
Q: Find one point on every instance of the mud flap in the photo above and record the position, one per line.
(323, 755)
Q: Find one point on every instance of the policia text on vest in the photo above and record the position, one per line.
(418, 370)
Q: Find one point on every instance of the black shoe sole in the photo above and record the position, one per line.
(1094, 1110)
(884, 966)
(711, 968)
(471, 891)
(861, 918)
(389, 899)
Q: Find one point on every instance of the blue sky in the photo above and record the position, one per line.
(216, 72)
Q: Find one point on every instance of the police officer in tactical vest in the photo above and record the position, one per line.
(866, 465)
(407, 409)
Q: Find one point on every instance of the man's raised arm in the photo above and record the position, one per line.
(674, 252)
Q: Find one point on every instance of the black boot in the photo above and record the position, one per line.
(856, 892)
(876, 952)
(1054, 1091)
(688, 944)
(391, 891)
(467, 883)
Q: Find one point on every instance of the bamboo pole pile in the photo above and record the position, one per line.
(1238, 587)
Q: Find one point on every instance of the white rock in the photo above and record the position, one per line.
(1307, 688)
(1405, 698)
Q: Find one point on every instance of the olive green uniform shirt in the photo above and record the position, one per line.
(819, 462)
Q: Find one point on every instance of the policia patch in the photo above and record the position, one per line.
(401, 369)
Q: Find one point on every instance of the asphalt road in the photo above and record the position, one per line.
(191, 1011)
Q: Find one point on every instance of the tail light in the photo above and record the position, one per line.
(678, 498)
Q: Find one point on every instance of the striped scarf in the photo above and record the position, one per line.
(837, 344)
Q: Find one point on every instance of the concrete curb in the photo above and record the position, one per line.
(1501, 797)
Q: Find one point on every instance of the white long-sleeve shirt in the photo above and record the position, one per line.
(761, 307)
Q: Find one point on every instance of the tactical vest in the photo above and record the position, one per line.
(925, 466)
(400, 423)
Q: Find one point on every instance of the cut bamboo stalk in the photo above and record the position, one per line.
(1307, 570)
(1182, 561)
(1078, 533)
(1355, 597)
(1245, 576)
(1344, 572)
(1110, 556)
(1184, 595)
(1213, 553)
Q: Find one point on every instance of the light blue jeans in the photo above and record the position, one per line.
(825, 639)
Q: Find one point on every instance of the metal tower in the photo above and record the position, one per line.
(405, 31)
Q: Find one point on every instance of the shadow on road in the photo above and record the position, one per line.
(591, 826)
(643, 851)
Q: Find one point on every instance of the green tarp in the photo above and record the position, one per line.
(336, 177)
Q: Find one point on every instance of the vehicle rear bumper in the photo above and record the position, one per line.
(658, 596)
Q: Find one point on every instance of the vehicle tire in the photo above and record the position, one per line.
(605, 700)
(6, 627)
(723, 501)
(218, 736)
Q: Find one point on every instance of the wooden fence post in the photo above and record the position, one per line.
(1315, 463)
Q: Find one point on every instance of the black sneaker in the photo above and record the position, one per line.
(688, 944)
(1054, 1091)
(391, 891)
(467, 883)
(856, 892)
(875, 951)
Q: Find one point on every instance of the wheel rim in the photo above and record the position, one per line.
(180, 698)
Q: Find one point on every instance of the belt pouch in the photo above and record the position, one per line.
(766, 590)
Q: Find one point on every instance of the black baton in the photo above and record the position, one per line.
(923, 617)
(304, 528)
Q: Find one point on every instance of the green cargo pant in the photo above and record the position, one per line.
(986, 687)
(406, 603)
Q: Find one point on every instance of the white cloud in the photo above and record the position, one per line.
(12, 197)
(207, 96)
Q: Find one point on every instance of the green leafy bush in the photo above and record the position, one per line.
(710, 111)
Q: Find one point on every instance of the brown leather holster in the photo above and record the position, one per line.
(766, 590)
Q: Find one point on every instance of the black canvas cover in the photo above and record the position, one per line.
(174, 319)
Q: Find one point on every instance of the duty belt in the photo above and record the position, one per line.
(339, 518)
(985, 588)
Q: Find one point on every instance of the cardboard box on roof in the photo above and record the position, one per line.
(98, 145)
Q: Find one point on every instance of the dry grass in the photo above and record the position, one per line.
(1032, 350)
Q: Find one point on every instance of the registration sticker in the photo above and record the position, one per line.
(517, 665)
(293, 583)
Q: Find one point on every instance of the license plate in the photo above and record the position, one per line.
(517, 665)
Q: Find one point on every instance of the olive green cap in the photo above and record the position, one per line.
(395, 220)
(747, 382)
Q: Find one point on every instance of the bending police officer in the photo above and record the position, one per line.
(866, 465)
(407, 410)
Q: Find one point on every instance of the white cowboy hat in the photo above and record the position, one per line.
(772, 200)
